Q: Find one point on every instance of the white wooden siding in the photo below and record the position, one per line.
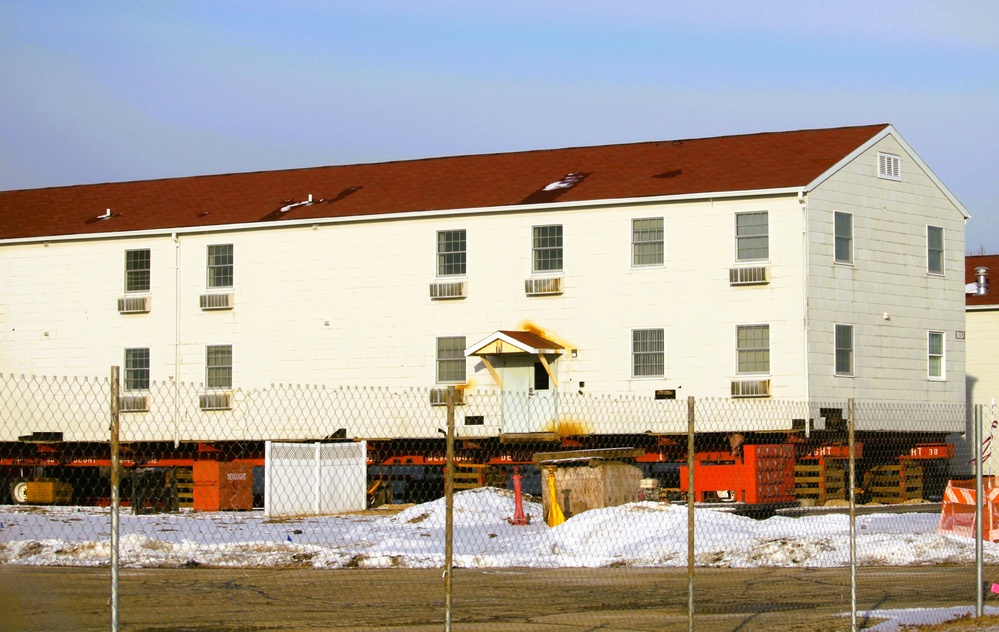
(888, 276)
(349, 303)
(983, 355)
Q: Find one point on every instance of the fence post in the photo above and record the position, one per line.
(449, 509)
(690, 513)
(317, 458)
(979, 501)
(853, 513)
(115, 499)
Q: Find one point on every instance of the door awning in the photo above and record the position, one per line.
(506, 342)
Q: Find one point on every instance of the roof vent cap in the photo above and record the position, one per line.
(570, 180)
(981, 281)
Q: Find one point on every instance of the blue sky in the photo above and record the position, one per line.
(110, 91)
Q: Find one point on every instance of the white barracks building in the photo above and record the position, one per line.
(809, 265)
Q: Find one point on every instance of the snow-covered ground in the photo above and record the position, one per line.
(637, 534)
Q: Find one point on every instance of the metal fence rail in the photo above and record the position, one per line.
(376, 480)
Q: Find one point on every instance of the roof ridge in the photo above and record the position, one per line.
(456, 157)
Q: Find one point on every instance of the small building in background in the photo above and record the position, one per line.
(982, 344)
(587, 479)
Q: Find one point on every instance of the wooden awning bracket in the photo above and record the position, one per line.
(492, 371)
(548, 369)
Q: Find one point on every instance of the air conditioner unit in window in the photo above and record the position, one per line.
(214, 401)
(759, 275)
(217, 301)
(543, 286)
(438, 397)
(133, 403)
(751, 388)
(134, 304)
(447, 289)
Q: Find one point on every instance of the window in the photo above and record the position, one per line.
(137, 270)
(450, 252)
(220, 261)
(888, 166)
(935, 346)
(647, 356)
(753, 347)
(547, 249)
(844, 349)
(451, 360)
(647, 242)
(934, 250)
(752, 236)
(136, 369)
(844, 237)
(218, 367)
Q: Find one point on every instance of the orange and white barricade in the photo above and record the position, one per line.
(957, 515)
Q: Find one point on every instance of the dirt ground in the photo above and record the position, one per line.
(550, 600)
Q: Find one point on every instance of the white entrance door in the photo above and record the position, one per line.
(530, 402)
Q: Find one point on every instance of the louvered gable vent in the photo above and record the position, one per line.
(889, 166)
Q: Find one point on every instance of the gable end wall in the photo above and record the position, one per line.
(888, 276)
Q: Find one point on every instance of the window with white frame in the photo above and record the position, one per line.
(889, 166)
(451, 360)
(218, 367)
(844, 349)
(647, 353)
(137, 267)
(647, 242)
(844, 237)
(220, 266)
(936, 355)
(934, 250)
(753, 348)
(546, 249)
(752, 236)
(137, 369)
(451, 252)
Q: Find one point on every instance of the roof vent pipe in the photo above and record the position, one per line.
(288, 207)
(982, 281)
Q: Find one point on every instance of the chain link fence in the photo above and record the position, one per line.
(431, 508)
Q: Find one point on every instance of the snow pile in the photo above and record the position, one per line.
(902, 618)
(637, 534)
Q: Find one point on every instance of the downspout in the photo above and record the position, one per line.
(176, 341)
(804, 297)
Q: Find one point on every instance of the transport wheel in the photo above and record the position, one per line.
(19, 491)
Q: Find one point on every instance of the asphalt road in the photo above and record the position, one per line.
(550, 600)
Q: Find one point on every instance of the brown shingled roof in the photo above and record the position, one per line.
(531, 339)
(681, 167)
(992, 263)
